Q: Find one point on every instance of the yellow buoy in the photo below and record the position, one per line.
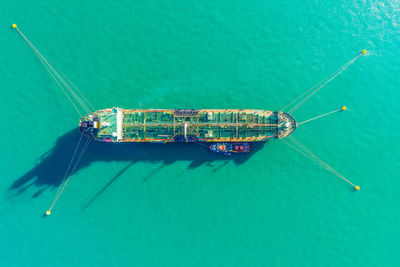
(364, 51)
(357, 187)
(344, 108)
(14, 26)
(48, 212)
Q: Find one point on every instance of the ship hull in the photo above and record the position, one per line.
(186, 125)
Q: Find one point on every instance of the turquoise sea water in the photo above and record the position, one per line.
(179, 205)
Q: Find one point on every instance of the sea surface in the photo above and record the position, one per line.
(179, 204)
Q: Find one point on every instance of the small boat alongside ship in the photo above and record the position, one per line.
(229, 148)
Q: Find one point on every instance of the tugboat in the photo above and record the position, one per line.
(229, 148)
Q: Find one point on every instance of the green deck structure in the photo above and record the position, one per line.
(186, 125)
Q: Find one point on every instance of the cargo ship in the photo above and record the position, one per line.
(186, 125)
(225, 131)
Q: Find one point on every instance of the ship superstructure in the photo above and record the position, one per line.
(186, 125)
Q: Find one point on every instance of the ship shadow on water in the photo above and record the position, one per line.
(51, 166)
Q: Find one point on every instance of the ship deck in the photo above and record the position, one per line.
(186, 125)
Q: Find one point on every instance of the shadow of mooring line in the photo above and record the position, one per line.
(153, 173)
(220, 166)
(107, 185)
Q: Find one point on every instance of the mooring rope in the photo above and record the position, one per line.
(56, 75)
(69, 173)
(66, 173)
(79, 91)
(307, 94)
(77, 162)
(323, 115)
(58, 78)
(81, 154)
(310, 157)
(298, 105)
(312, 154)
(59, 85)
(327, 77)
(306, 152)
(53, 70)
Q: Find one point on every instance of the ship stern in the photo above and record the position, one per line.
(89, 125)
